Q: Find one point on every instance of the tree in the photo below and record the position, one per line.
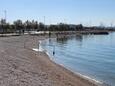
(41, 26)
(3, 24)
(63, 27)
(79, 27)
(19, 26)
(34, 25)
(28, 25)
(53, 28)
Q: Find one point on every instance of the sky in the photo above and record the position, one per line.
(87, 12)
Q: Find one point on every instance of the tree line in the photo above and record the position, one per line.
(19, 26)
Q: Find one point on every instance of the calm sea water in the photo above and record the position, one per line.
(91, 55)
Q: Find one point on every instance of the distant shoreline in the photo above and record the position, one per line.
(95, 32)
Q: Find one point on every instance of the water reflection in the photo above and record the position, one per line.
(79, 38)
(91, 55)
(63, 40)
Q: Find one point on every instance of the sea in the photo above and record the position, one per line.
(89, 55)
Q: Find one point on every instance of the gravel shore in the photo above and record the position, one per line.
(21, 66)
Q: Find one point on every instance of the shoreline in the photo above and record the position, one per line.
(20, 65)
(94, 81)
(85, 77)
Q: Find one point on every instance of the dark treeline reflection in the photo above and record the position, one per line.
(65, 39)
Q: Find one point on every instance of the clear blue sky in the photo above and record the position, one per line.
(69, 11)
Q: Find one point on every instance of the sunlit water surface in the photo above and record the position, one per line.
(91, 55)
